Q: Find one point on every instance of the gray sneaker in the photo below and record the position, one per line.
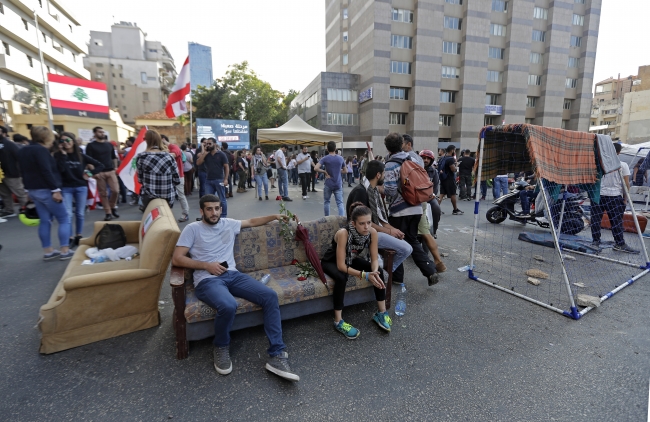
(624, 248)
(279, 365)
(222, 362)
(433, 279)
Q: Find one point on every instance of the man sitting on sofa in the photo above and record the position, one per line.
(210, 244)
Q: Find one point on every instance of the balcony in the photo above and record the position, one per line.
(17, 65)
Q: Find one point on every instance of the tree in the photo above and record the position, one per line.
(208, 103)
(37, 99)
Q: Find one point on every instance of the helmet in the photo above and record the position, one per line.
(427, 153)
(29, 216)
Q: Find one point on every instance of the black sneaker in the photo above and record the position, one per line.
(114, 212)
(626, 249)
(433, 279)
(222, 362)
(287, 199)
(457, 212)
(279, 365)
(266, 197)
(108, 217)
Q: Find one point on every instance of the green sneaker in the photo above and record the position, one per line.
(347, 330)
(383, 320)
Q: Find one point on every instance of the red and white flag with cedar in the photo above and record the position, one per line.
(128, 171)
(176, 102)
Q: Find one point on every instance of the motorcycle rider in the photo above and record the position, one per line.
(526, 195)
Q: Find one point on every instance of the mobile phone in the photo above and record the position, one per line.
(224, 264)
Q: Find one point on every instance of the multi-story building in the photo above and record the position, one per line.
(61, 40)
(139, 73)
(441, 69)
(200, 65)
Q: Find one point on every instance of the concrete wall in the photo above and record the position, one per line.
(635, 126)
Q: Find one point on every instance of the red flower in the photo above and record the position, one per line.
(301, 278)
(294, 262)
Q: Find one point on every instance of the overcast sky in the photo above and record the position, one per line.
(284, 40)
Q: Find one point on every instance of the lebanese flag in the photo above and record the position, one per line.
(176, 101)
(128, 171)
(77, 94)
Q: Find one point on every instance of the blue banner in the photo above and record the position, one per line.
(494, 109)
(234, 132)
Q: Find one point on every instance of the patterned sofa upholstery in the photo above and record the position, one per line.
(259, 251)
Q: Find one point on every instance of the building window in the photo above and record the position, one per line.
(580, 1)
(445, 119)
(5, 46)
(122, 95)
(44, 37)
(539, 35)
(450, 72)
(498, 30)
(48, 69)
(529, 121)
(499, 6)
(453, 23)
(70, 26)
(576, 41)
(345, 60)
(574, 62)
(25, 25)
(535, 58)
(567, 104)
(401, 41)
(98, 43)
(125, 115)
(571, 83)
(99, 75)
(399, 93)
(345, 13)
(495, 53)
(123, 107)
(564, 124)
(531, 102)
(492, 99)
(400, 67)
(2, 9)
(153, 50)
(145, 96)
(402, 15)
(114, 87)
(345, 36)
(540, 13)
(454, 1)
(341, 119)
(340, 95)
(494, 76)
(396, 118)
(122, 87)
(534, 80)
(449, 47)
(30, 61)
(99, 64)
(74, 58)
(578, 20)
(143, 77)
(488, 120)
(447, 96)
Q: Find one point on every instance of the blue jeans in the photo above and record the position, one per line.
(47, 210)
(526, 196)
(338, 197)
(259, 179)
(202, 177)
(401, 247)
(219, 292)
(499, 186)
(215, 186)
(283, 182)
(79, 195)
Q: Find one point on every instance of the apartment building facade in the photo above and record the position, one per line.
(442, 69)
(139, 73)
(61, 40)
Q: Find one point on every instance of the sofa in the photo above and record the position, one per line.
(259, 251)
(108, 299)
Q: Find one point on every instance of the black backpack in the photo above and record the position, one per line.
(110, 236)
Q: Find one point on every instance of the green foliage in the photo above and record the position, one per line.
(286, 231)
(37, 98)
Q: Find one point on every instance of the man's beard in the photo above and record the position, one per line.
(380, 182)
(208, 221)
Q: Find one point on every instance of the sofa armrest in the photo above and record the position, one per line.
(102, 279)
(177, 277)
(388, 255)
(177, 281)
(131, 229)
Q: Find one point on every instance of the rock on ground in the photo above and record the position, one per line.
(533, 272)
(588, 301)
(533, 281)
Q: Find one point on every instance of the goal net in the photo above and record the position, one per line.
(561, 231)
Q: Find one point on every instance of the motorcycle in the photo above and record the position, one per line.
(573, 215)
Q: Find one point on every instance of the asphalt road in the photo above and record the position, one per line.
(463, 351)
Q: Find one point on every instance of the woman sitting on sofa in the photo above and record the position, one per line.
(343, 258)
(157, 171)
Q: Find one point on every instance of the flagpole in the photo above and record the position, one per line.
(189, 64)
(46, 88)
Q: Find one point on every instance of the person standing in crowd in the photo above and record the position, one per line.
(344, 258)
(304, 163)
(251, 173)
(157, 171)
(349, 174)
(447, 171)
(75, 170)
(217, 169)
(283, 176)
(188, 169)
(402, 215)
(200, 169)
(465, 167)
(273, 175)
(314, 175)
(429, 165)
(11, 183)
(231, 164)
(259, 166)
(242, 171)
(355, 168)
(102, 150)
(43, 182)
(180, 188)
(332, 166)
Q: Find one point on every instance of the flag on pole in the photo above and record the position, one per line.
(176, 101)
(128, 171)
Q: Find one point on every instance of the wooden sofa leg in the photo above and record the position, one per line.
(178, 296)
(389, 255)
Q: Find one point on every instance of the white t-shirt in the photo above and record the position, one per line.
(280, 160)
(209, 243)
(305, 166)
(611, 184)
(292, 164)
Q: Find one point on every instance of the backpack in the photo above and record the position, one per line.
(441, 166)
(415, 185)
(110, 236)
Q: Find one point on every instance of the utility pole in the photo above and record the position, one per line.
(46, 88)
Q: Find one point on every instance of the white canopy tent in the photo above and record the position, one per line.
(297, 132)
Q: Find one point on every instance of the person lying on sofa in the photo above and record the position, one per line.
(210, 244)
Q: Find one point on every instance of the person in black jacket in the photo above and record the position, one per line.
(74, 167)
(11, 182)
(43, 182)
